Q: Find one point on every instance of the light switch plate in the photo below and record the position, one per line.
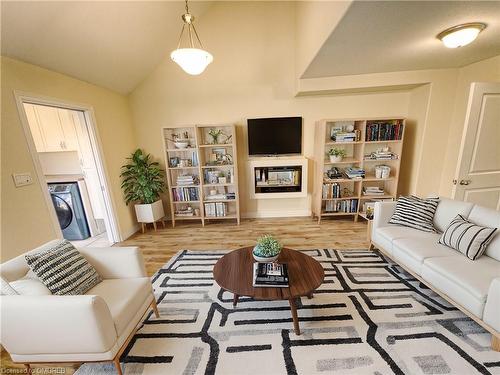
(22, 179)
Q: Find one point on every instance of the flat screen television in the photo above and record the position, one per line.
(275, 136)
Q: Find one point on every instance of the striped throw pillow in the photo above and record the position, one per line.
(415, 212)
(63, 269)
(468, 238)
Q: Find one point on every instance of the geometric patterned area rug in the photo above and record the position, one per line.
(368, 317)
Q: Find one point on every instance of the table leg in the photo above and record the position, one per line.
(235, 300)
(310, 295)
(295, 318)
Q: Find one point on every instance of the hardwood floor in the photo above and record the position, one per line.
(158, 247)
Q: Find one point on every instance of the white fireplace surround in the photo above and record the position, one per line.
(277, 161)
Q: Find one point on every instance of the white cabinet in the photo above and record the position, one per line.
(53, 129)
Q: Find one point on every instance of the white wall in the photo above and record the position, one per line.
(252, 75)
(25, 220)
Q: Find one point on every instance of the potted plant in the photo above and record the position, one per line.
(336, 154)
(143, 181)
(267, 249)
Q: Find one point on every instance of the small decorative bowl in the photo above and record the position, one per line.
(181, 144)
(261, 259)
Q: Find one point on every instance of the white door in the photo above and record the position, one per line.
(478, 174)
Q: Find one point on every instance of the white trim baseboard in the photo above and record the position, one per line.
(276, 213)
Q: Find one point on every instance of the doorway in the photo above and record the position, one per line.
(65, 149)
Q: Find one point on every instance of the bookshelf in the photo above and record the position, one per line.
(202, 176)
(365, 142)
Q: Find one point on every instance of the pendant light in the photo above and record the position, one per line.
(191, 59)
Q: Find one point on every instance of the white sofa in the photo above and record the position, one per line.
(473, 286)
(38, 327)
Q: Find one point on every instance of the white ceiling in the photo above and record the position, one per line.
(112, 44)
(386, 36)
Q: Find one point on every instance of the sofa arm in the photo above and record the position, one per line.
(56, 324)
(382, 213)
(116, 262)
(491, 315)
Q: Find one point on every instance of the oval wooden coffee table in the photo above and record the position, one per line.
(234, 273)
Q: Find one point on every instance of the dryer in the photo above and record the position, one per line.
(68, 204)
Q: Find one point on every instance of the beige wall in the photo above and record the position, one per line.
(482, 71)
(25, 222)
(252, 76)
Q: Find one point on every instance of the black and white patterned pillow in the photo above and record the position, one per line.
(63, 269)
(415, 212)
(468, 238)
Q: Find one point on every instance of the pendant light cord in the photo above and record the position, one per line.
(190, 25)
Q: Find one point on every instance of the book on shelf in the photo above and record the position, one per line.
(185, 194)
(384, 131)
(219, 197)
(270, 275)
(186, 179)
(331, 191)
(215, 209)
(185, 212)
(373, 190)
(354, 172)
(344, 206)
(382, 154)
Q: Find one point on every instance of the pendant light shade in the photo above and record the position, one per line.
(191, 59)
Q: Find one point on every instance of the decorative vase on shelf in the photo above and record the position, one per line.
(336, 158)
(267, 249)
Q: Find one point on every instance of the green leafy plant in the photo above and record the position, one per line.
(337, 152)
(143, 179)
(267, 246)
(215, 133)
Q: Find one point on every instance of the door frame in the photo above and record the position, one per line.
(95, 141)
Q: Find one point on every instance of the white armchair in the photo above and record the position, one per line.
(86, 328)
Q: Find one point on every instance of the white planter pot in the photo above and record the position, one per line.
(335, 159)
(149, 213)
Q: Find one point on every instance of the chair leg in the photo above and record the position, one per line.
(155, 308)
(28, 368)
(495, 343)
(118, 366)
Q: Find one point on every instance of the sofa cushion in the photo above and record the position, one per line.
(412, 252)
(463, 280)
(124, 297)
(415, 212)
(63, 269)
(6, 289)
(488, 218)
(468, 238)
(447, 210)
(30, 287)
(384, 236)
(491, 314)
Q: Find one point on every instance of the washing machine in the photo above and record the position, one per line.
(68, 204)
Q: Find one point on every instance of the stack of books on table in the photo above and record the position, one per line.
(186, 180)
(354, 172)
(373, 190)
(270, 275)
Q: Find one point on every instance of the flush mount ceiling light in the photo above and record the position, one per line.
(461, 35)
(191, 59)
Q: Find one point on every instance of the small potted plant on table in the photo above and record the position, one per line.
(267, 249)
(336, 154)
(143, 181)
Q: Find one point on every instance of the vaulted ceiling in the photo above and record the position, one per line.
(114, 44)
(387, 36)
